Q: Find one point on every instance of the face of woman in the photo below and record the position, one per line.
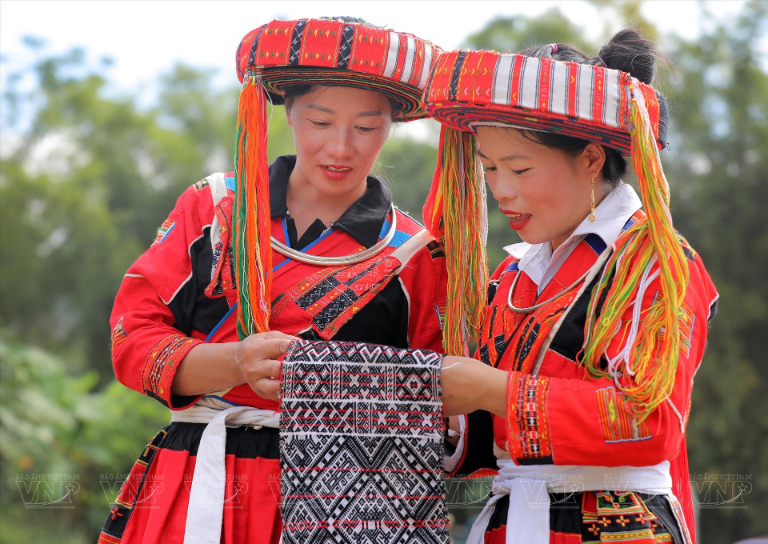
(338, 133)
(544, 192)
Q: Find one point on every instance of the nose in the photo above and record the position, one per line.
(341, 145)
(501, 188)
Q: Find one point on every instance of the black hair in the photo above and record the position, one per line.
(628, 51)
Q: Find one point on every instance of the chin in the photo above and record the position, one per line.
(532, 238)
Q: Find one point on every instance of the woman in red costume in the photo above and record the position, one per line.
(596, 324)
(336, 260)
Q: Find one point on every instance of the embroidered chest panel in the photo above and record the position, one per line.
(332, 296)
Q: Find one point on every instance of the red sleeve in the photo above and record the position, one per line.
(424, 281)
(146, 347)
(589, 422)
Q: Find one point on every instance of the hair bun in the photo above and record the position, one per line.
(631, 52)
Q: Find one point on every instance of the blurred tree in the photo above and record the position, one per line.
(718, 177)
(89, 180)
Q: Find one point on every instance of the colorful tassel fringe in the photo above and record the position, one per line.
(651, 243)
(456, 215)
(252, 229)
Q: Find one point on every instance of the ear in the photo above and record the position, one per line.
(593, 159)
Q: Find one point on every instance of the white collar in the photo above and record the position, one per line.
(611, 215)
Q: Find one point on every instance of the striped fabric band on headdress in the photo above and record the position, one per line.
(579, 100)
(471, 88)
(304, 52)
(328, 52)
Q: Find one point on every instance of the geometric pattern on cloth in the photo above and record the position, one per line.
(616, 418)
(330, 52)
(529, 438)
(164, 229)
(687, 322)
(584, 101)
(332, 296)
(361, 445)
(118, 335)
(160, 363)
(622, 516)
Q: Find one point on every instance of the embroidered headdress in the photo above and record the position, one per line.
(471, 88)
(325, 52)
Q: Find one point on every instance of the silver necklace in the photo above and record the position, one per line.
(540, 304)
(317, 260)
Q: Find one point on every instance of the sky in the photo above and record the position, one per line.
(145, 37)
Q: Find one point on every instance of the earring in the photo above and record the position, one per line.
(592, 212)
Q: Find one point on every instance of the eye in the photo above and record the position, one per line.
(519, 172)
(489, 168)
(366, 129)
(321, 124)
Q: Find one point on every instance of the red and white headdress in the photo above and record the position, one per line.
(324, 52)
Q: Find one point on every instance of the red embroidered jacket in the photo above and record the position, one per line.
(181, 291)
(556, 415)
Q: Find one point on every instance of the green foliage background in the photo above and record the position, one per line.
(90, 175)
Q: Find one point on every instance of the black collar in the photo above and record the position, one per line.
(363, 220)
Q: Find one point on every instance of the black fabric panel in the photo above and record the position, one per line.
(479, 452)
(191, 307)
(570, 337)
(659, 505)
(313, 232)
(242, 442)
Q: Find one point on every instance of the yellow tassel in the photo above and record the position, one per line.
(648, 244)
(455, 213)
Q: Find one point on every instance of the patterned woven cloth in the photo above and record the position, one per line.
(361, 445)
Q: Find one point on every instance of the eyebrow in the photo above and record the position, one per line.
(512, 157)
(361, 114)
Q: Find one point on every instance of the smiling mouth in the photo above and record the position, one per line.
(517, 216)
(337, 168)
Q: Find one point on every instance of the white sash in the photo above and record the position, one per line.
(528, 488)
(205, 512)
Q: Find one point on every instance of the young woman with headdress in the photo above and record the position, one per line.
(595, 326)
(309, 246)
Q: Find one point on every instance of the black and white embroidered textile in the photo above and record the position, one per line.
(361, 445)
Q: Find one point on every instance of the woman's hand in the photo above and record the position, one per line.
(470, 385)
(256, 360)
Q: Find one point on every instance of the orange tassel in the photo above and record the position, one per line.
(252, 221)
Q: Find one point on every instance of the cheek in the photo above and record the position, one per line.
(369, 146)
(306, 140)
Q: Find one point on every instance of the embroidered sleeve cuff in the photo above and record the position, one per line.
(528, 432)
(160, 368)
(453, 462)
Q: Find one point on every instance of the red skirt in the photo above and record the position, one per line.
(597, 517)
(151, 507)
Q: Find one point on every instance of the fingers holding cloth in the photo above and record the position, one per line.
(259, 358)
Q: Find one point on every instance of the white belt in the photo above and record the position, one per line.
(528, 488)
(206, 497)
